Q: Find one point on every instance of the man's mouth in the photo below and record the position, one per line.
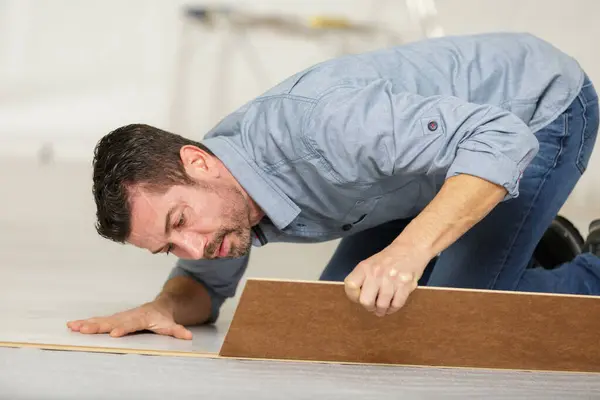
(223, 248)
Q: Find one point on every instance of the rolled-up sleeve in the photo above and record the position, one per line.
(220, 277)
(374, 131)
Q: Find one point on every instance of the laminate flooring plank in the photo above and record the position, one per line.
(27, 374)
(314, 321)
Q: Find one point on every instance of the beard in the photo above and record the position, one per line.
(238, 229)
(237, 248)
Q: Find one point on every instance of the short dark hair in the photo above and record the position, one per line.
(134, 155)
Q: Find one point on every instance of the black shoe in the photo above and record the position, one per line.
(592, 243)
(560, 244)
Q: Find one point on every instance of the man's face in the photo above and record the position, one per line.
(208, 220)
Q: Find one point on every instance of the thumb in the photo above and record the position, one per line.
(180, 332)
(354, 282)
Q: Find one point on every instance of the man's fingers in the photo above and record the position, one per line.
(104, 326)
(368, 293)
(77, 324)
(352, 291)
(384, 297)
(401, 295)
(147, 316)
(353, 283)
(122, 330)
(379, 290)
(175, 330)
(89, 328)
(118, 332)
(74, 325)
(180, 332)
(398, 301)
(130, 325)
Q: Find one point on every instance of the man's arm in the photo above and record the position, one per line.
(186, 300)
(383, 282)
(462, 202)
(375, 133)
(192, 295)
(218, 280)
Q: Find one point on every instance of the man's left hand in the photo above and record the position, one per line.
(383, 282)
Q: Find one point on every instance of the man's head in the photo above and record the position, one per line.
(165, 193)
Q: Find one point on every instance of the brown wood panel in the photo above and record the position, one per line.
(314, 321)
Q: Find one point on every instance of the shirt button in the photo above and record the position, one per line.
(347, 227)
(432, 125)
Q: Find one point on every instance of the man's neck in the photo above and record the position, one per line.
(256, 213)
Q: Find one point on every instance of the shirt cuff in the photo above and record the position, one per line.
(493, 167)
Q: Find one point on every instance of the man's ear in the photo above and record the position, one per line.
(197, 162)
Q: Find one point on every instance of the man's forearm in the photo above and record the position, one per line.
(462, 202)
(186, 299)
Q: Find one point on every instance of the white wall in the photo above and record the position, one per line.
(71, 70)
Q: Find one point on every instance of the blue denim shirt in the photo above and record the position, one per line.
(356, 141)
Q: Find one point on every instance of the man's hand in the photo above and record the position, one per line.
(183, 301)
(383, 282)
(151, 316)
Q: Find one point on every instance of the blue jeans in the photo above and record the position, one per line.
(497, 252)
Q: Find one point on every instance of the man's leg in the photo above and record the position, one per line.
(362, 245)
(496, 252)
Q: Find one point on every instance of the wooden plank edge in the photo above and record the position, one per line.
(110, 350)
(417, 366)
(188, 354)
(171, 353)
(449, 289)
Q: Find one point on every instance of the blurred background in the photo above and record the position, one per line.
(72, 70)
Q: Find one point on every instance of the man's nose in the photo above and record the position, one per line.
(192, 246)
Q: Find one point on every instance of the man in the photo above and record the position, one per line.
(439, 163)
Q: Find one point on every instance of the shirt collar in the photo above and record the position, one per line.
(270, 198)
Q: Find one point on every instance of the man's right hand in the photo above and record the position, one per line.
(151, 316)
